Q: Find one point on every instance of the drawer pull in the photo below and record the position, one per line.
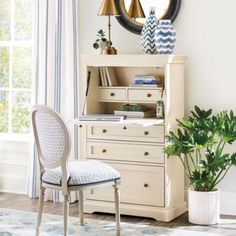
(104, 131)
(112, 94)
(149, 95)
(104, 150)
(125, 127)
(146, 153)
(146, 133)
(146, 185)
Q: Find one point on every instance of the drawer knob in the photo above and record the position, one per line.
(146, 185)
(104, 131)
(80, 126)
(149, 95)
(146, 133)
(104, 150)
(112, 94)
(146, 153)
(125, 127)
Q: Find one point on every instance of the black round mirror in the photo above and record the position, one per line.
(133, 13)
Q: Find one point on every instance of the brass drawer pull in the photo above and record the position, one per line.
(146, 185)
(146, 133)
(146, 153)
(112, 94)
(104, 150)
(149, 95)
(104, 131)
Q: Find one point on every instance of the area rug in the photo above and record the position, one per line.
(18, 223)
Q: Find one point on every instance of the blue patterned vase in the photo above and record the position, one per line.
(165, 37)
(148, 33)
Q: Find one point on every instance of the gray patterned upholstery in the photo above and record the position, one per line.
(81, 173)
(51, 136)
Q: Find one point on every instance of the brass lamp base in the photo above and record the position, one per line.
(109, 51)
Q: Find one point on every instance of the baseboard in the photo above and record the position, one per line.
(227, 202)
(12, 184)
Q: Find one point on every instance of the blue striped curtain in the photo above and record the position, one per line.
(55, 72)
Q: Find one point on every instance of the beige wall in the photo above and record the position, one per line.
(206, 33)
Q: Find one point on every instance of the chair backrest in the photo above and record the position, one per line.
(51, 135)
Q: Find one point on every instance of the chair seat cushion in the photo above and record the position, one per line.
(82, 172)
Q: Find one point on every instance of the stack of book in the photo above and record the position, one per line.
(145, 81)
(108, 76)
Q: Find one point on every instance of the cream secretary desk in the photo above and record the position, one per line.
(152, 185)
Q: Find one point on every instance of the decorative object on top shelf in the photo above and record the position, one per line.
(165, 37)
(109, 9)
(204, 133)
(136, 10)
(165, 9)
(148, 33)
(100, 42)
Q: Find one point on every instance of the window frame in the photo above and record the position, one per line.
(11, 44)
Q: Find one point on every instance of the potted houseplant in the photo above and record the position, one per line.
(101, 42)
(200, 143)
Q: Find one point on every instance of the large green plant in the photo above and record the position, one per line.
(200, 143)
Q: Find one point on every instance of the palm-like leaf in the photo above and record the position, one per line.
(204, 132)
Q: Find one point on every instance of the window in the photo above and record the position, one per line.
(15, 65)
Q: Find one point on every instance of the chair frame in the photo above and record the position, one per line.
(62, 162)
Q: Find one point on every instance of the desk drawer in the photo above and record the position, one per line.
(126, 152)
(142, 185)
(130, 133)
(144, 95)
(112, 94)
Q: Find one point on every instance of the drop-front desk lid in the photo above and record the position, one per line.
(143, 122)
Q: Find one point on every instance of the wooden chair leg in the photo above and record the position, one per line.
(40, 208)
(81, 208)
(117, 207)
(66, 213)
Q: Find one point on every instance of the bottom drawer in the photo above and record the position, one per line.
(142, 185)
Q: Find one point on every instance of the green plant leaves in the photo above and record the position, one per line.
(100, 38)
(201, 140)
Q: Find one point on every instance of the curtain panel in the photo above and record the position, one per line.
(55, 73)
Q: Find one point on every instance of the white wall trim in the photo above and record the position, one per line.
(13, 184)
(228, 203)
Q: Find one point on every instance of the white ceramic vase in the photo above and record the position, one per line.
(203, 207)
(101, 48)
(165, 37)
(148, 33)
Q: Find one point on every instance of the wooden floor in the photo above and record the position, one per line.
(22, 202)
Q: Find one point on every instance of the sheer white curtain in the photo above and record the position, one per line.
(55, 72)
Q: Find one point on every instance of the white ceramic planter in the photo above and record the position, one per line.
(204, 207)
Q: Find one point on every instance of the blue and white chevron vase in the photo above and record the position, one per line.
(165, 37)
(148, 33)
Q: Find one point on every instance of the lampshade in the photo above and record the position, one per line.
(108, 8)
(136, 10)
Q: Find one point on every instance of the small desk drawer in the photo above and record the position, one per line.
(144, 95)
(142, 185)
(112, 94)
(154, 133)
(126, 152)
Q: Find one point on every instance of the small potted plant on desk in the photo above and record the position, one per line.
(101, 42)
(200, 143)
